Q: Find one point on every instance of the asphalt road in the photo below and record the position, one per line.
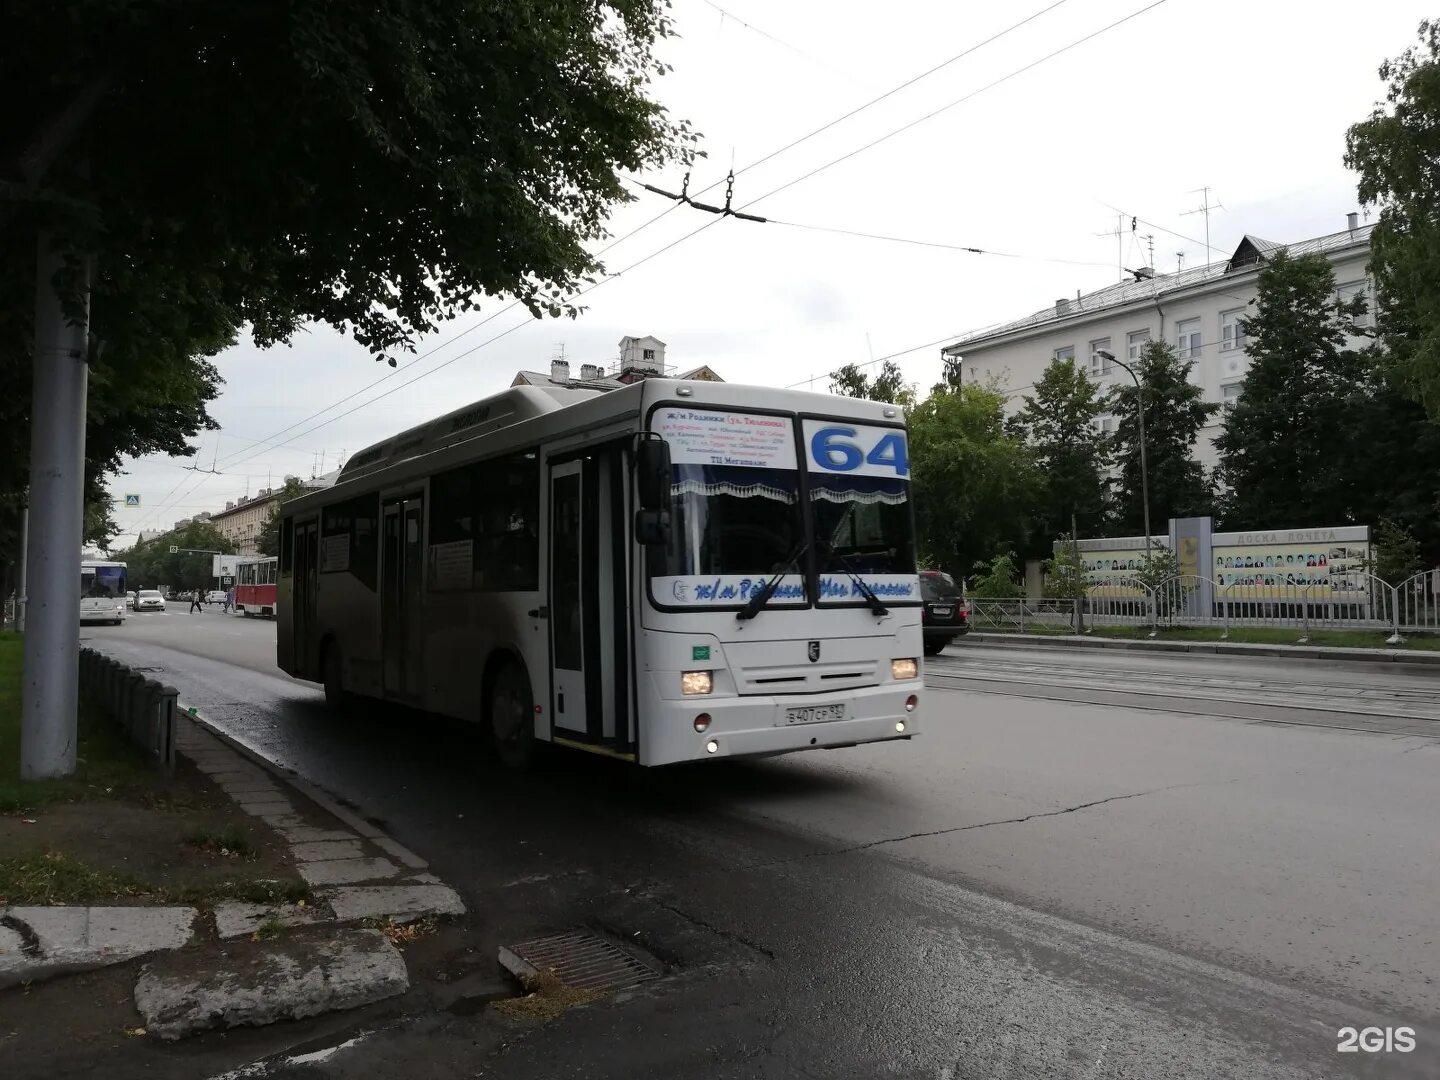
(1090, 865)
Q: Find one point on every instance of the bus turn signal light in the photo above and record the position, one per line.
(904, 669)
(695, 682)
(702, 722)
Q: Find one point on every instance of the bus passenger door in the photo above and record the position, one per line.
(589, 627)
(567, 602)
(401, 579)
(307, 558)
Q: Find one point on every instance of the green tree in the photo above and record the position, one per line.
(1396, 553)
(1396, 152)
(996, 579)
(886, 385)
(975, 483)
(267, 542)
(1283, 454)
(1065, 577)
(380, 168)
(152, 565)
(1175, 413)
(1059, 423)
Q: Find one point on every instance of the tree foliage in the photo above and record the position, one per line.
(887, 385)
(1396, 152)
(975, 483)
(1396, 553)
(997, 578)
(378, 167)
(1283, 453)
(151, 565)
(1175, 413)
(1059, 423)
(267, 541)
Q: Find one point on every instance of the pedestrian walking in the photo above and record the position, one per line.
(195, 603)
(229, 600)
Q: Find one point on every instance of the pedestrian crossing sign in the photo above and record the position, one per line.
(132, 501)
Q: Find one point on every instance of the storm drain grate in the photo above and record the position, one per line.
(580, 960)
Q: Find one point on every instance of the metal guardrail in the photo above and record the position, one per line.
(147, 710)
(1352, 601)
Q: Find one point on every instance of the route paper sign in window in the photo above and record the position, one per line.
(735, 439)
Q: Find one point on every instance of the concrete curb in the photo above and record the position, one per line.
(1232, 648)
(287, 981)
(353, 885)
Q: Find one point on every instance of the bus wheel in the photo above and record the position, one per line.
(332, 668)
(512, 719)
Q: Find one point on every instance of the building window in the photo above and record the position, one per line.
(1229, 395)
(1187, 338)
(1349, 291)
(1099, 365)
(1066, 352)
(1232, 330)
(1105, 424)
(649, 354)
(1135, 344)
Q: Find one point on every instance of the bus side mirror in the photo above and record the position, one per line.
(652, 527)
(652, 474)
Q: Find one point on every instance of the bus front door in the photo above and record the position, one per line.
(401, 562)
(589, 633)
(307, 559)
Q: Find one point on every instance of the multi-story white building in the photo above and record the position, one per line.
(640, 358)
(1199, 311)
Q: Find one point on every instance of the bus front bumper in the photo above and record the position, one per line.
(759, 726)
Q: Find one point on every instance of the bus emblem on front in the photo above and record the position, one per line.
(814, 651)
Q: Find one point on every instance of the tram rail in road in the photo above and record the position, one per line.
(1228, 688)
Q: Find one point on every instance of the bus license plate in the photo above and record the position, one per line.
(814, 714)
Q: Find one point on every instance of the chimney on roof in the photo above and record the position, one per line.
(560, 371)
(589, 371)
(229, 506)
(1145, 273)
(1352, 219)
(1062, 306)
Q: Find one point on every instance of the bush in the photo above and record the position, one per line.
(997, 579)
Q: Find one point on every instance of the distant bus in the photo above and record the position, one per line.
(255, 587)
(671, 571)
(103, 596)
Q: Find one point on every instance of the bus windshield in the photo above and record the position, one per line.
(102, 582)
(727, 520)
(862, 524)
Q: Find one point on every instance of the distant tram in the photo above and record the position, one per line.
(255, 587)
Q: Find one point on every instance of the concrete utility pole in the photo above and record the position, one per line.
(56, 525)
(20, 587)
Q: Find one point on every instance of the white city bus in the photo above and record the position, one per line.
(666, 572)
(102, 591)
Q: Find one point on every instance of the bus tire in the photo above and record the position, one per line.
(510, 716)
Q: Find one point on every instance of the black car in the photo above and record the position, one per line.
(945, 615)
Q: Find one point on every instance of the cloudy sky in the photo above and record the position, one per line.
(1248, 98)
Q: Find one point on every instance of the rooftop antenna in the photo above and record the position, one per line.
(1149, 239)
(1204, 208)
(1179, 261)
(1119, 235)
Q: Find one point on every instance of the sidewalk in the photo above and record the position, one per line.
(257, 897)
(1230, 648)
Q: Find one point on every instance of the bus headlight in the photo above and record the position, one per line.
(905, 669)
(695, 682)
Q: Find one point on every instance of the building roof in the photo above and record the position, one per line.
(1248, 254)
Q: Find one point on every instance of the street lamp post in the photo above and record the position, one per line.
(1144, 467)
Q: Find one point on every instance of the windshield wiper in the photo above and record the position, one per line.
(876, 606)
(761, 596)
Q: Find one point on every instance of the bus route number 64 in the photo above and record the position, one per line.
(844, 449)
